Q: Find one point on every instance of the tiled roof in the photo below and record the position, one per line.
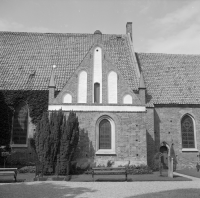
(26, 59)
(171, 78)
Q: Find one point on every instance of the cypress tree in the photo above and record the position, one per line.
(42, 134)
(56, 140)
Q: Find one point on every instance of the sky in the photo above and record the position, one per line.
(159, 26)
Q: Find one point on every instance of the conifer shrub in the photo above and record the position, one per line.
(56, 141)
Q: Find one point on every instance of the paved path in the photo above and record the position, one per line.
(61, 189)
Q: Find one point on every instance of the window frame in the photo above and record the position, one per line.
(106, 151)
(27, 132)
(194, 131)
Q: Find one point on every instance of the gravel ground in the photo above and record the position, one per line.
(61, 189)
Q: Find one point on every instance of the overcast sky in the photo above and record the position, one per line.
(159, 26)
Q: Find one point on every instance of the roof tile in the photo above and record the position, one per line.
(171, 78)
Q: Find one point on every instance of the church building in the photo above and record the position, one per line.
(130, 105)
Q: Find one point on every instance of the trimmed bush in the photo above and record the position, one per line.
(56, 141)
(141, 169)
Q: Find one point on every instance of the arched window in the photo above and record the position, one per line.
(127, 99)
(112, 87)
(187, 132)
(20, 124)
(105, 135)
(82, 87)
(67, 98)
(97, 73)
(96, 93)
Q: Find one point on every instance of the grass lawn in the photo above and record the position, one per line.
(27, 177)
(190, 172)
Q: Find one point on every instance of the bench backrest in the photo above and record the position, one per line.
(109, 168)
(8, 169)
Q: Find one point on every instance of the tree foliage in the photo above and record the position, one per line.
(56, 141)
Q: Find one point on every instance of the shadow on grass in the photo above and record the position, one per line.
(182, 193)
(41, 190)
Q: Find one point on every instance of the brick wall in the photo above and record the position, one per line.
(168, 129)
(150, 135)
(107, 66)
(130, 137)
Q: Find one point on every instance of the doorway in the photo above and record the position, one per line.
(164, 158)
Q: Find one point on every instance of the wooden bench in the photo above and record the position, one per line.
(109, 171)
(8, 172)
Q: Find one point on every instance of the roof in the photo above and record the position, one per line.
(171, 78)
(26, 59)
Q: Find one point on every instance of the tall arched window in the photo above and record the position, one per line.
(96, 93)
(187, 132)
(112, 87)
(104, 134)
(20, 124)
(82, 87)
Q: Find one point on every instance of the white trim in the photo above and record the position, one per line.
(67, 98)
(127, 99)
(112, 87)
(97, 71)
(189, 149)
(82, 87)
(113, 108)
(105, 151)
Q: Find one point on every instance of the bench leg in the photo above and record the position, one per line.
(15, 176)
(93, 176)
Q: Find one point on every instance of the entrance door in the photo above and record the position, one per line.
(164, 158)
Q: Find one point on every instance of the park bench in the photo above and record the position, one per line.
(109, 171)
(8, 172)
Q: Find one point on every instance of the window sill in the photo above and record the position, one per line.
(190, 150)
(105, 152)
(19, 145)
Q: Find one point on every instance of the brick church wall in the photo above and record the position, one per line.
(150, 135)
(168, 129)
(130, 138)
(107, 66)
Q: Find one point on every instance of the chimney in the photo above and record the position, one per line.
(129, 29)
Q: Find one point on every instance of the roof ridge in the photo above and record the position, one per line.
(56, 33)
(151, 53)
